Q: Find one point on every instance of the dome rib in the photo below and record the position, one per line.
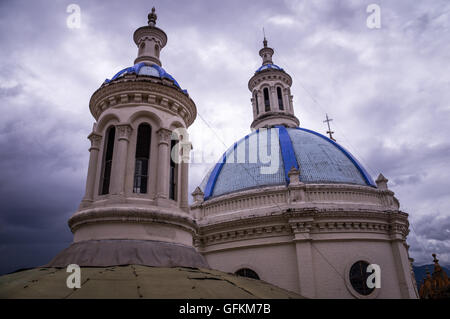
(287, 151)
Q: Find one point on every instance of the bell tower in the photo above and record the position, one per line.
(271, 94)
(135, 209)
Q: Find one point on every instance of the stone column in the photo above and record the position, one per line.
(273, 99)
(253, 100)
(95, 139)
(162, 187)
(401, 259)
(184, 176)
(287, 105)
(118, 171)
(291, 103)
(261, 102)
(304, 257)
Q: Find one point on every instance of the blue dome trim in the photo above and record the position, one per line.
(268, 66)
(218, 167)
(287, 151)
(135, 69)
(367, 178)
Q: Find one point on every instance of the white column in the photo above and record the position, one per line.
(274, 100)
(184, 177)
(287, 105)
(253, 100)
(95, 139)
(401, 260)
(162, 187)
(118, 171)
(261, 102)
(304, 258)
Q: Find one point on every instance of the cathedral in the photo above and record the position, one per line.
(286, 212)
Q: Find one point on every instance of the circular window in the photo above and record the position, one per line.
(358, 278)
(245, 272)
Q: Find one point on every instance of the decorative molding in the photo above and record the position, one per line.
(269, 75)
(298, 196)
(164, 135)
(124, 131)
(143, 90)
(131, 215)
(95, 139)
(304, 224)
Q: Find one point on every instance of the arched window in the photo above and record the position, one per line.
(280, 99)
(266, 100)
(173, 182)
(141, 48)
(156, 50)
(108, 150)
(245, 272)
(256, 102)
(142, 157)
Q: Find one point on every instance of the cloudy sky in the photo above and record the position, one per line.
(387, 89)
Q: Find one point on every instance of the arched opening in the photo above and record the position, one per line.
(142, 156)
(266, 100)
(108, 151)
(157, 50)
(280, 99)
(246, 272)
(141, 48)
(173, 176)
(256, 102)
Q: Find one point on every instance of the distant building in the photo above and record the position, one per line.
(436, 285)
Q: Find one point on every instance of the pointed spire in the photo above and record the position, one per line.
(265, 40)
(266, 52)
(152, 17)
(150, 40)
(198, 195)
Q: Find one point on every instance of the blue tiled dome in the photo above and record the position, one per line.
(267, 67)
(145, 69)
(246, 164)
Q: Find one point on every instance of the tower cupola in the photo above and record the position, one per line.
(271, 94)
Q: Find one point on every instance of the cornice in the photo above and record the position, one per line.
(128, 214)
(269, 75)
(138, 90)
(308, 222)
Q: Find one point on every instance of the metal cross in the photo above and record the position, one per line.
(329, 132)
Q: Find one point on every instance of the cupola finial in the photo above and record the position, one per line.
(152, 18)
(265, 40)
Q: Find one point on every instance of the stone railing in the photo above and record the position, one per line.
(296, 196)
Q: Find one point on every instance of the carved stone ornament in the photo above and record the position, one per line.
(124, 131)
(164, 135)
(95, 139)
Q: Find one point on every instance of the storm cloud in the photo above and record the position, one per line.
(387, 90)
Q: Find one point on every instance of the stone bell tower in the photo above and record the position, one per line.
(271, 94)
(135, 209)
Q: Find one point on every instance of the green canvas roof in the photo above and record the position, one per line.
(136, 281)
